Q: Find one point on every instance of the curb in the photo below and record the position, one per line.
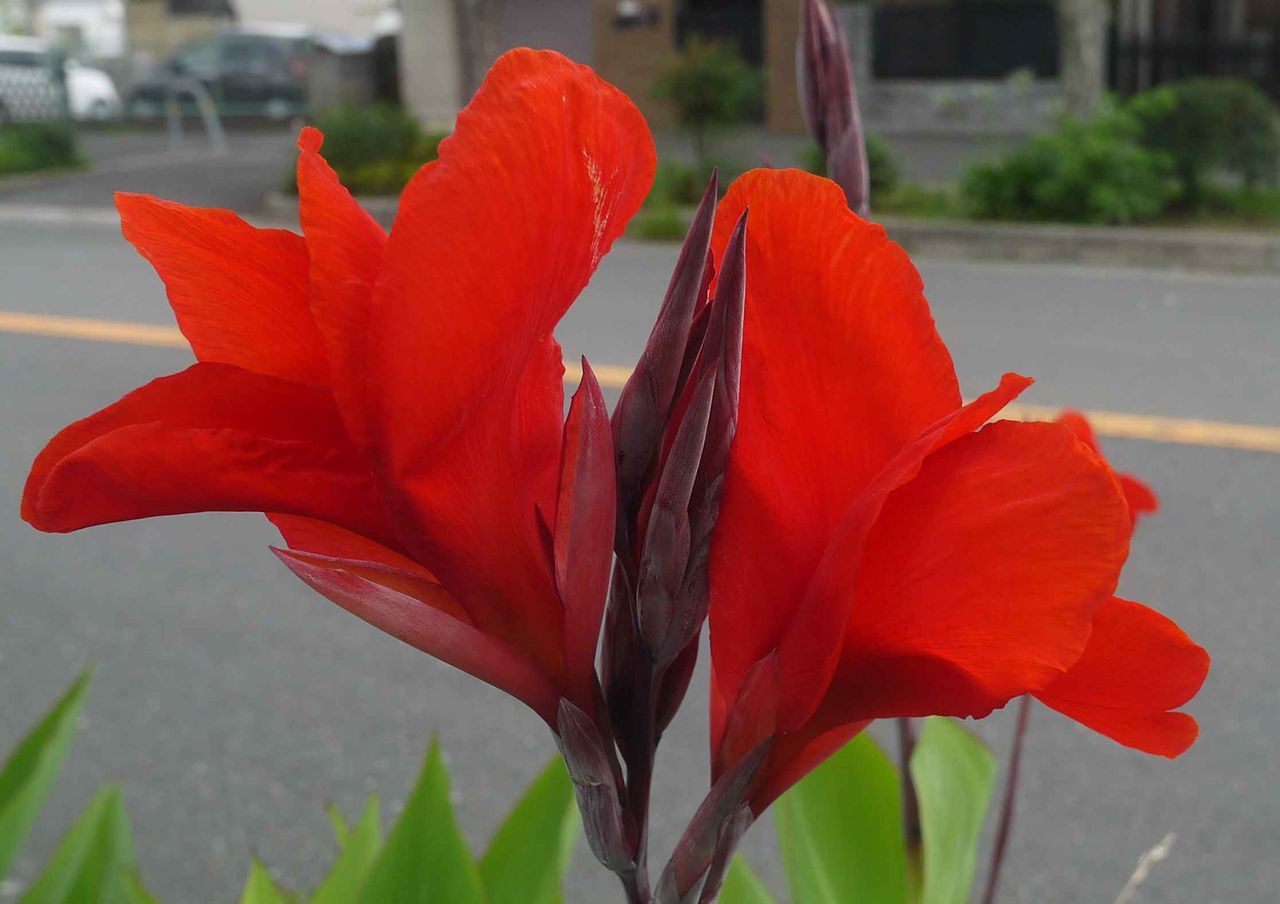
(1108, 246)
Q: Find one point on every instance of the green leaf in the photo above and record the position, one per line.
(426, 859)
(530, 852)
(955, 775)
(91, 863)
(29, 773)
(743, 886)
(359, 850)
(341, 830)
(261, 888)
(840, 830)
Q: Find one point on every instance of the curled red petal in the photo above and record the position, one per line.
(211, 438)
(1138, 666)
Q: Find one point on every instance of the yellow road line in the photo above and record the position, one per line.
(1154, 428)
(92, 330)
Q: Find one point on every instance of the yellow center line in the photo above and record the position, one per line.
(1153, 428)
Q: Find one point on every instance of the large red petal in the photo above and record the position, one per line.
(424, 616)
(491, 245)
(841, 368)
(212, 438)
(240, 293)
(325, 539)
(345, 248)
(1137, 667)
(981, 578)
(1141, 498)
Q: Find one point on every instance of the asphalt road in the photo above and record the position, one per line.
(232, 703)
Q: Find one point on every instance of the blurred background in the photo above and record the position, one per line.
(1088, 186)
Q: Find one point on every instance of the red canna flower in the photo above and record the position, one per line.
(882, 553)
(395, 403)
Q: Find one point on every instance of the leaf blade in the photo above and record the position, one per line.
(31, 769)
(955, 775)
(743, 886)
(528, 855)
(426, 859)
(92, 862)
(360, 847)
(840, 830)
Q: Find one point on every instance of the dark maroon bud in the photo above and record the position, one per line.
(730, 836)
(695, 854)
(640, 419)
(585, 519)
(595, 784)
(829, 100)
(666, 545)
(675, 684)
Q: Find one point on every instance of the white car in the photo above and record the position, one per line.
(38, 84)
(91, 94)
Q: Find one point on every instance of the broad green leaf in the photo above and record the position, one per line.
(29, 773)
(743, 886)
(426, 860)
(840, 830)
(92, 862)
(529, 853)
(260, 888)
(359, 849)
(954, 774)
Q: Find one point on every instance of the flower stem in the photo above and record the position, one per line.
(1005, 828)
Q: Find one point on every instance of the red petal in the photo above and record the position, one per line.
(345, 248)
(811, 646)
(424, 616)
(585, 519)
(240, 293)
(212, 438)
(841, 368)
(981, 578)
(1138, 666)
(491, 245)
(1142, 500)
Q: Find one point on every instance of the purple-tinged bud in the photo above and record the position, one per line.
(595, 783)
(644, 408)
(829, 100)
(721, 811)
(730, 836)
(665, 559)
(585, 519)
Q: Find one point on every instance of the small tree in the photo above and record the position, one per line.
(711, 88)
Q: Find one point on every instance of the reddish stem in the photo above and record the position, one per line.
(1010, 796)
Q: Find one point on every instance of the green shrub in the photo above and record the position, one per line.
(710, 88)
(26, 147)
(1207, 124)
(1092, 171)
(374, 150)
(660, 222)
(885, 174)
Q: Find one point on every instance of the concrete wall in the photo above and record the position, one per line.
(431, 83)
(349, 16)
(563, 25)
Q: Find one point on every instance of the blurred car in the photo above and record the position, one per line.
(246, 71)
(38, 83)
(32, 81)
(91, 94)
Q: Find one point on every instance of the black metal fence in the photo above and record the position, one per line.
(982, 39)
(1139, 64)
